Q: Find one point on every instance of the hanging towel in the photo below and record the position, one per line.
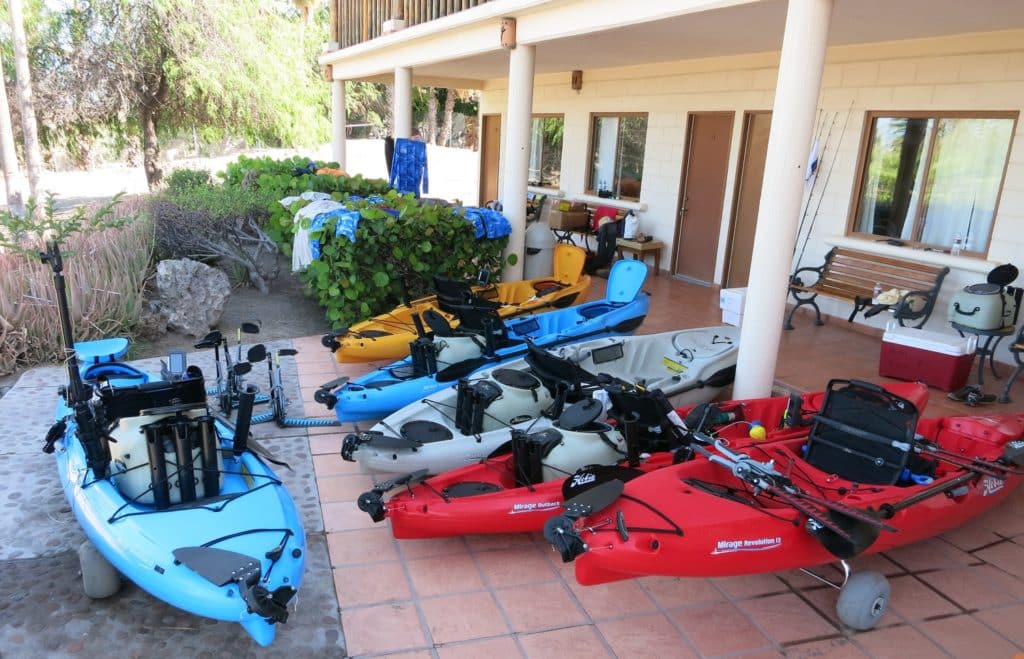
(305, 250)
(409, 167)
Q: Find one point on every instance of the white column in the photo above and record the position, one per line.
(401, 112)
(796, 100)
(516, 154)
(338, 119)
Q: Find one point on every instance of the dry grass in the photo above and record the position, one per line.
(106, 273)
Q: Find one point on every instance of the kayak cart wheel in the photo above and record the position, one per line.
(863, 600)
(100, 579)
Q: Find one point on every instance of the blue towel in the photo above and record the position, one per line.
(488, 223)
(409, 167)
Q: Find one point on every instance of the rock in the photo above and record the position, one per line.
(191, 295)
(152, 322)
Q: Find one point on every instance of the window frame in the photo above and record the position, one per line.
(561, 155)
(917, 227)
(590, 148)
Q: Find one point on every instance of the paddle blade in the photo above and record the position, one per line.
(593, 476)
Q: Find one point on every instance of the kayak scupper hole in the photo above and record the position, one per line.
(655, 544)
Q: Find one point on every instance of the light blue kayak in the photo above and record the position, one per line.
(381, 392)
(244, 532)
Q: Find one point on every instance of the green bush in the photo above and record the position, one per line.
(355, 281)
(184, 179)
(278, 179)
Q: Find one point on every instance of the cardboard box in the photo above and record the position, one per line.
(732, 318)
(939, 360)
(732, 300)
(566, 220)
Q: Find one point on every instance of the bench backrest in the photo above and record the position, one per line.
(849, 273)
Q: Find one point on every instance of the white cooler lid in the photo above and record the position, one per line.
(945, 344)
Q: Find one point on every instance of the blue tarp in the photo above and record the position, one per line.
(488, 224)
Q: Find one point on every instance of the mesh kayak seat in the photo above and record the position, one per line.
(452, 293)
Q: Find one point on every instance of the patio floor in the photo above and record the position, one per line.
(960, 594)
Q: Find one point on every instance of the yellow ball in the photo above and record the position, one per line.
(758, 432)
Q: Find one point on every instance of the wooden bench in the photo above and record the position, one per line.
(852, 275)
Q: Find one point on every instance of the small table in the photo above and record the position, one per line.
(988, 348)
(640, 249)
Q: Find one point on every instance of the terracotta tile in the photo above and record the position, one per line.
(326, 443)
(963, 636)
(877, 563)
(670, 592)
(371, 584)
(1007, 620)
(836, 648)
(412, 654)
(930, 554)
(427, 547)
(379, 629)
(786, 618)
(977, 587)
(751, 585)
(333, 465)
(970, 536)
(823, 600)
(1007, 556)
(494, 541)
(1003, 520)
(363, 546)
(912, 600)
(644, 636)
(463, 617)
(503, 647)
(514, 567)
(443, 575)
(613, 600)
(899, 642)
(539, 606)
(342, 488)
(345, 516)
(582, 642)
(720, 628)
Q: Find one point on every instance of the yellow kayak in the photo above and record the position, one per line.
(387, 336)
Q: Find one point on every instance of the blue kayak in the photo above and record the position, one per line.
(448, 356)
(230, 546)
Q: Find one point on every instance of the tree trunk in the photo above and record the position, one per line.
(29, 127)
(431, 115)
(449, 111)
(150, 149)
(14, 182)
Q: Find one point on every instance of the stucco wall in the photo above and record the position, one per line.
(968, 72)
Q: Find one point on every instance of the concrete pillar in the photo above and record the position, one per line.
(796, 100)
(401, 112)
(338, 120)
(516, 154)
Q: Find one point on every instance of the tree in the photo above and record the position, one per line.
(29, 127)
(431, 115)
(13, 181)
(449, 111)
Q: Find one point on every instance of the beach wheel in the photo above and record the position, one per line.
(863, 600)
(100, 579)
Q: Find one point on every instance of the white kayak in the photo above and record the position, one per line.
(471, 420)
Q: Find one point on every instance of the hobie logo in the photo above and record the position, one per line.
(990, 485)
(583, 479)
(757, 544)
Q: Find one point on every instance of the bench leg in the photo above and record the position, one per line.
(1005, 396)
(799, 303)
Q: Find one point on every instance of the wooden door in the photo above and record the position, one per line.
(750, 173)
(702, 196)
(490, 157)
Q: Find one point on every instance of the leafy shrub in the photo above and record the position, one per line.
(107, 256)
(217, 224)
(285, 178)
(354, 281)
(184, 179)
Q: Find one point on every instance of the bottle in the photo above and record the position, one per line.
(958, 245)
(876, 292)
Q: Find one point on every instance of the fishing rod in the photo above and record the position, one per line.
(814, 183)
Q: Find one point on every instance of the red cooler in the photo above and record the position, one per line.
(939, 360)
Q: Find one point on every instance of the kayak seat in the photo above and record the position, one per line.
(485, 322)
(452, 293)
(554, 371)
(863, 433)
(650, 409)
(425, 431)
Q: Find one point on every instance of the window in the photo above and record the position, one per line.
(617, 154)
(930, 178)
(546, 150)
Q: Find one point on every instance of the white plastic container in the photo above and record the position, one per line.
(732, 300)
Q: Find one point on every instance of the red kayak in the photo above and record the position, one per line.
(861, 482)
(487, 497)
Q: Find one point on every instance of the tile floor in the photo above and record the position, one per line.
(961, 594)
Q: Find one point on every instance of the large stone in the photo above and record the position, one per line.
(191, 295)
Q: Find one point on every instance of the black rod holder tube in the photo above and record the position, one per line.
(246, 399)
(183, 455)
(211, 470)
(157, 465)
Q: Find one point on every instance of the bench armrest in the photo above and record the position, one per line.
(914, 306)
(795, 279)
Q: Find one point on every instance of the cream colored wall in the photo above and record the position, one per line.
(968, 72)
